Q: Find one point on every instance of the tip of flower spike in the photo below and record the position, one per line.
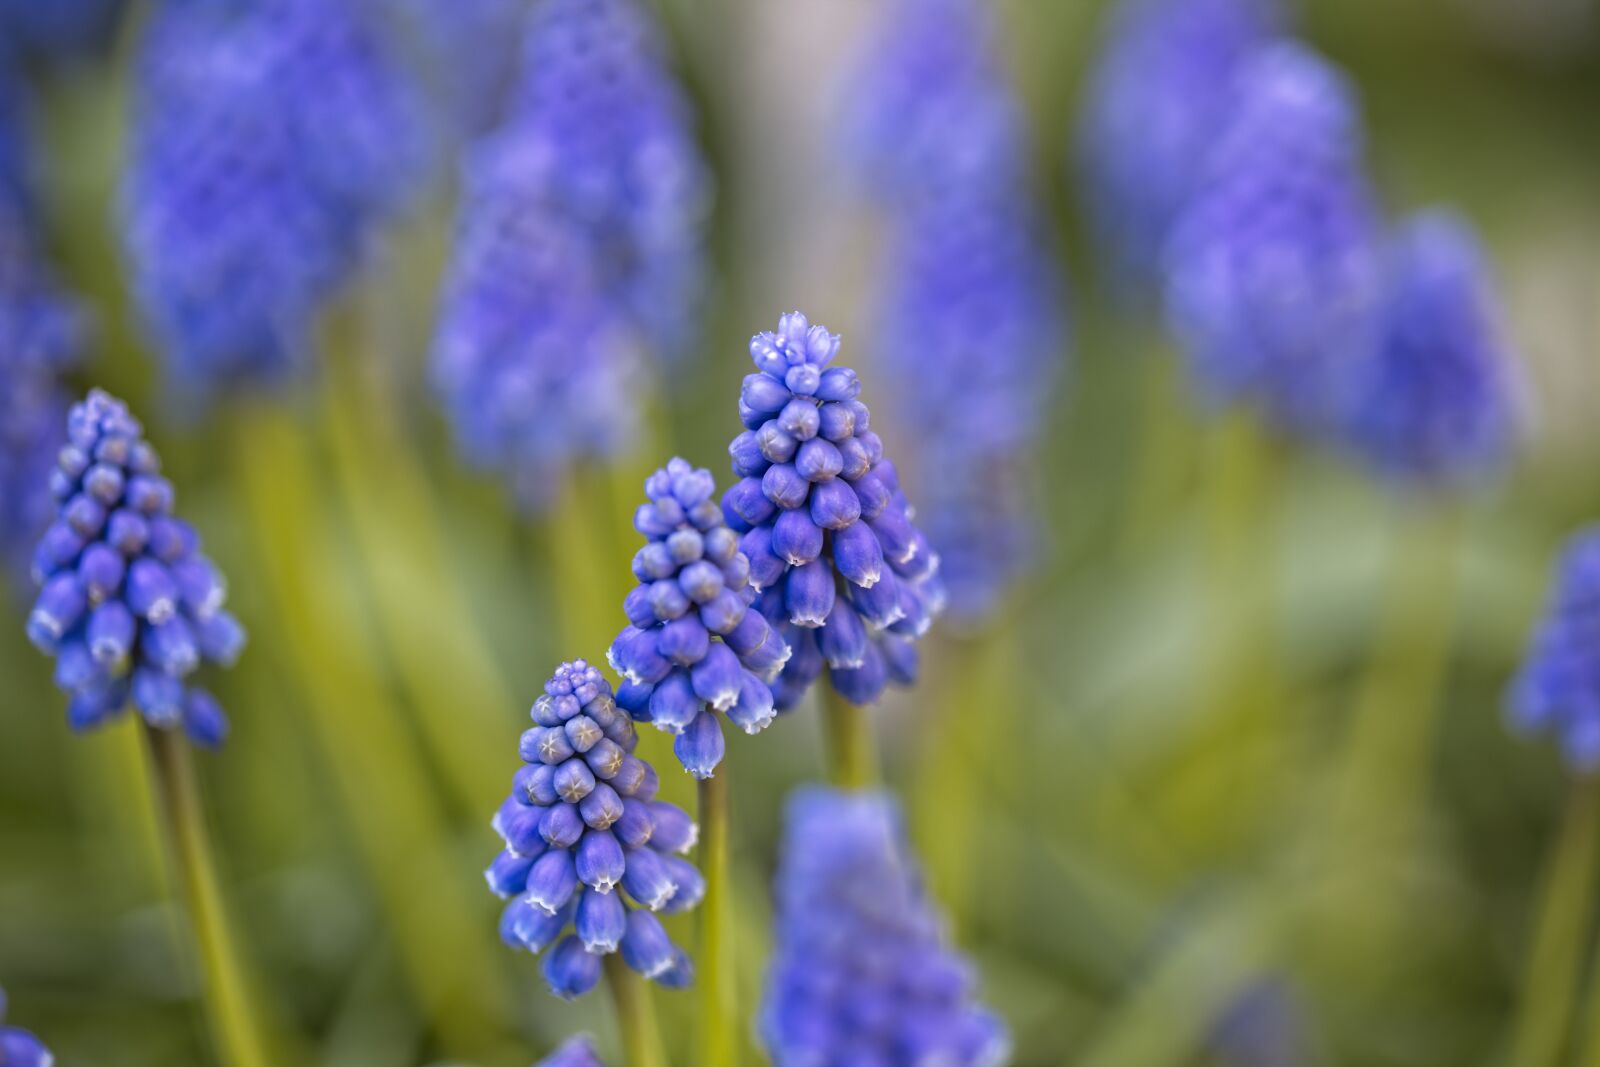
(795, 343)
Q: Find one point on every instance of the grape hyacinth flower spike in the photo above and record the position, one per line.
(842, 573)
(861, 971)
(19, 1048)
(128, 605)
(269, 142)
(1436, 400)
(1557, 690)
(574, 1052)
(587, 844)
(1274, 268)
(694, 648)
(1159, 97)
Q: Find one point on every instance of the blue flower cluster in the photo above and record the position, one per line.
(1435, 401)
(575, 1052)
(842, 573)
(968, 325)
(1558, 688)
(270, 138)
(127, 604)
(1227, 158)
(1275, 266)
(579, 246)
(582, 828)
(1159, 97)
(693, 647)
(39, 337)
(19, 1048)
(861, 972)
(931, 112)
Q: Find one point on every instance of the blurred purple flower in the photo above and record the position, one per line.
(19, 1048)
(574, 1052)
(1557, 689)
(1436, 399)
(932, 111)
(579, 247)
(1274, 269)
(127, 605)
(862, 972)
(693, 647)
(1158, 99)
(843, 574)
(270, 138)
(583, 830)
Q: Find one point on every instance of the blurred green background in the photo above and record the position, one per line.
(1134, 791)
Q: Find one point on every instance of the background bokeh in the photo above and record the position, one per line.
(1127, 788)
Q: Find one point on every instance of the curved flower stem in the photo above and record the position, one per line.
(717, 1010)
(1555, 960)
(227, 992)
(636, 1016)
(847, 735)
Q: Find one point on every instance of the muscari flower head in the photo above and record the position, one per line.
(19, 1048)
(862, 972)
(588, 845)
(1159, 97)
(605, 122)
(1557, 689)
(39, 337)
(1435, 401)
(127, 605)
(270, 137)
(842, 573)
(1274, 268)
(575, 1052)
(694, 647)
(932, 110)
(578, 248)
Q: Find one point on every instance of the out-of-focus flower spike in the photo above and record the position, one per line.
(1158, 98)
(861, 971)
(270, 139)
(1436, 400)
(1557, 689)
(18, 1047)
(1274, 269)
(574, 1052)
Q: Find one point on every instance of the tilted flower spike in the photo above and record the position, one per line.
(583, 831)
(269, 140)
(844, 576)
(1436, 400)
(1274, 268)
(693, 647)
(1159, 97)
(19, 1048)
(1557, 690)
(861, 970)
(574, 1052)
(127, 605)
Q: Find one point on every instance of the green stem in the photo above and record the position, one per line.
(227, 993)
(718, 1010)
(1555, 961)
(636, 1016)
(575, 535)
(847, 734)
